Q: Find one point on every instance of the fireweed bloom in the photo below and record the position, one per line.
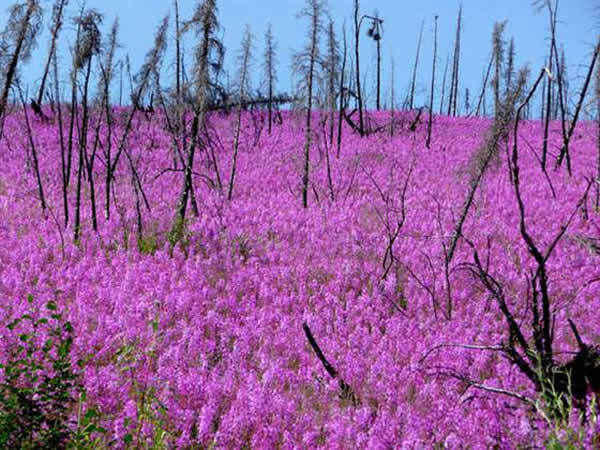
(204, 340)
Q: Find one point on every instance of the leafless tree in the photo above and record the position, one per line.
(564, 152)
(33, 149)
(107, 74)
(332, 69)
(392, 100)
(57, 21)
(498, 56)
(430, 121)
(143, 82)
(63, 154)
(204, 21)
(509, 72)
(452, 101)
(375, 32)
(306, 64)
(244, 61)
(342, 92)
(444, 84)
(270, 59)
(87, 47)
(18, 39)
(487, 153)
(484, 85)
(529, 344)
(413, 80)
(357, 21)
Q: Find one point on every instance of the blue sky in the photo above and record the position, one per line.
(579, 25)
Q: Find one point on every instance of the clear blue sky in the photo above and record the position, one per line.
(579, 25)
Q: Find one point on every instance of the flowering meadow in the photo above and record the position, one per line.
(197, 340)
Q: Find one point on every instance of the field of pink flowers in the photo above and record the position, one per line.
(202, 344)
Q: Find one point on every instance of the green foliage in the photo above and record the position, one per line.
(38, 386)
(179, 233)
(88, 435)
(151, 413)
(558, 410)
(148, 244)
(36, 391)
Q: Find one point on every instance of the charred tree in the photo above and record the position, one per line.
(453, 95)
(413, 80)
(204, 21)
(270, 59)
(498, 56)
(357, 20)
(57, 22)
(20, 35)
(342, 93)
(244, 60)
(306, 64)
(430, 121)
(87, 47)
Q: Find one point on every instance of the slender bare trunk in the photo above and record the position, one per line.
(341, 104)
(430, 122)
(58, 13)
(414, 74)
(14, 59)
(361, 122)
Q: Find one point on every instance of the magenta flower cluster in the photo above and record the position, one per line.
(204, 341)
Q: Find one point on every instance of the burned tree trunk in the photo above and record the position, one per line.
(57, 17)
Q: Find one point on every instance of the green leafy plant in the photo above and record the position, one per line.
(38, 385)
(148, 244)
(558, 410)
(38, 382)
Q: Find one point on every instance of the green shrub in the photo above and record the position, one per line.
(38, 388)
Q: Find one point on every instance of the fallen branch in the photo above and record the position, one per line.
(347, 393)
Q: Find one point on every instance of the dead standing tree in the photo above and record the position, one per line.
(332, 74)
(87, 46)
(305, 65)
(270, 59)
(430, 121)
(357, 22)
(413, 80)
(528, 343)
(244, 60)
(18, 39)
(108, 70)
(534, 356)
(481, 161)
(498, 56)
(143, 81)
(342, 94)
(205, 22)
(375, 32)
(455, 67)
(57, 22)
(568, 134)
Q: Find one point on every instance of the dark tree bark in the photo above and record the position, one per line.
(413, 80)
(452, 101)
(25, 29)
(244, 61)
(270, 74)
(342, 95)
(57, 22)
(430, 122)
(361, 123)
